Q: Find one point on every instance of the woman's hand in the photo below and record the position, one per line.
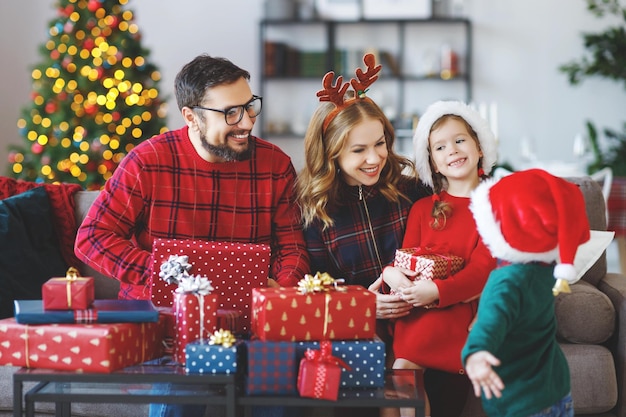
(272, 283)
(388, 306)
(398, 278)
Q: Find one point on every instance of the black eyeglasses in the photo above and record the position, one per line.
(233, 115)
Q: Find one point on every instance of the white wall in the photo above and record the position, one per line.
(517, 49)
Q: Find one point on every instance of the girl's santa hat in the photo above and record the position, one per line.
(486, 138)
(532, 216)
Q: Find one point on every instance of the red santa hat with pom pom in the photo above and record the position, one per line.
(532, 216)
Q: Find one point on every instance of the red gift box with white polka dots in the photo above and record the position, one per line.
(233, 268)
(196, 318)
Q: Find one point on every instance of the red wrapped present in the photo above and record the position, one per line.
(234, 269)
(100, 348)
(320, 372)
(69, 293)
(195, 309)
(308, 313)
(429, 265)
(229, 320)
(168, 316)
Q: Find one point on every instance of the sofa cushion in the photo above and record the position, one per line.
(593, 378)
(586, 315)
(29, 248)
(596, 213)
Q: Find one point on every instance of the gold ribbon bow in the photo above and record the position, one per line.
(320, 282)
(70, 276)
(222, 337)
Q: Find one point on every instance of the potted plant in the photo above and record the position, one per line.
(605, 57)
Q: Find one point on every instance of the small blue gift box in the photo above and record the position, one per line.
(101, 311)
(204, 358)
(365, 357)
(271, 367)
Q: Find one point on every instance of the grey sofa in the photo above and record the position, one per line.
(592, 328)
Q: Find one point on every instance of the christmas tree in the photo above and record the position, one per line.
(95, 96)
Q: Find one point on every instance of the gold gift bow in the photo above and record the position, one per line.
(70, 276)
(321, 282)
(222, 337)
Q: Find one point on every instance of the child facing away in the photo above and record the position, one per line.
(528, 220)
(454, 150)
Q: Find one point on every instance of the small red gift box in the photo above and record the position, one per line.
(286, 313)
(69, 293)
(196, 318)
(319, 373)
(100, 348)
(229, 320)
(429, 265)
(234, 269)
(168, 316)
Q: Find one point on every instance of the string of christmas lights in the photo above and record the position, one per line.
(94, 97)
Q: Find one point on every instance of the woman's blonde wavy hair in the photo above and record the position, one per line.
(318, 184)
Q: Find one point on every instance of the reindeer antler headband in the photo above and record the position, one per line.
(335, 93)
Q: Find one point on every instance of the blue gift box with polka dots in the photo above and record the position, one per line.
(204, 358)
(366, 358)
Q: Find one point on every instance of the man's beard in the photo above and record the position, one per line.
(225, 152)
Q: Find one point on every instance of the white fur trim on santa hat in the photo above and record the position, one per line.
(491, 233)
(566, 272)
(488, 144)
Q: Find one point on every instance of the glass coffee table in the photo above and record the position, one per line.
(139, 384)
(403, 389)
(135, 384)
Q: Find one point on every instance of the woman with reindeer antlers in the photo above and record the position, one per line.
(355, 191)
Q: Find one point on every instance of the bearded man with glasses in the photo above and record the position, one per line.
(210, 180)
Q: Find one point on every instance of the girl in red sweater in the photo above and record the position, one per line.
(454, 149)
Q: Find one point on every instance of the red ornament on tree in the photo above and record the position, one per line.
(88, 44)
(91, 109)
(93, 5)
(51, 107)
(36, 148)
(113, 22)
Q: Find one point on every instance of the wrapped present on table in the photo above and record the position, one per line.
(195, 309)
(69, 293)
(100, 348)
(430, 265)
(228, 319)
(168, 316)
(101, 311)
(320, 372)
(234, 268)
(366, 359)
(270, 367)
(317, 309)
(216, 355)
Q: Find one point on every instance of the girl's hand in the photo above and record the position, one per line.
(479, 370)
(421, 293)
(389, 306)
